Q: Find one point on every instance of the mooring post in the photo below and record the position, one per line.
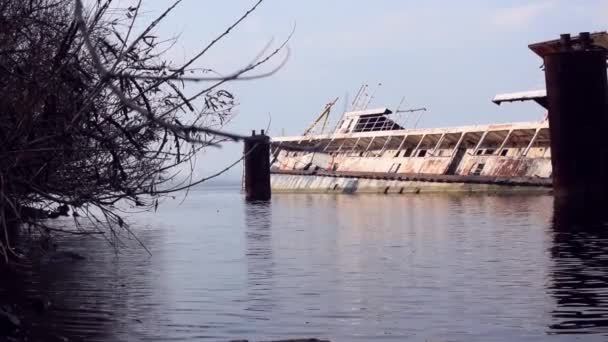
(577, 95)
(257, 167)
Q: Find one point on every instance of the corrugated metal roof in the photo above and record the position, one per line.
(532, 95)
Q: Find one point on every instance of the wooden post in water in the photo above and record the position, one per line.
(577, 95)
(257, 167)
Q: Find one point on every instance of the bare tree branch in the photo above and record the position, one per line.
(96, 120)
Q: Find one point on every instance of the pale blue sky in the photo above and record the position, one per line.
(450, 56)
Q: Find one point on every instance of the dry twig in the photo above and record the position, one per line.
(90, 131)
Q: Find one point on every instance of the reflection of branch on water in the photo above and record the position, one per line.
(580, 273)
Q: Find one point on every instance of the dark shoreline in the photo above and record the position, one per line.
(24, 306)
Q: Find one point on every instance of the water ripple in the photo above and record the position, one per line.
(347, 268)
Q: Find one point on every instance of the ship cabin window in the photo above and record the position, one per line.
(479, 152)
(476, 171)
(397, 154)
(489, 151)
(361, 154)
(422, 153)
(408, 152)
(374, 123)
(504, 152)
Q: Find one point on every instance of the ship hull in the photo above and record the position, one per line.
(353, 183)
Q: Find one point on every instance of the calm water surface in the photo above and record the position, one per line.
(347, 268)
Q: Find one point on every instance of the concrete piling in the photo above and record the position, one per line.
(257, 167)
(577, 94)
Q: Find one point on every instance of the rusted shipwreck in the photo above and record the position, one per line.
(382, 157)
(369, 151)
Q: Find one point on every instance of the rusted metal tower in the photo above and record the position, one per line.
(257, 167)
(577, 98)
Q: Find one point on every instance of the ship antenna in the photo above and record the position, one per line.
(370, 98)
(419, 117)
(410, 111)
(400, 104)
(360, 97)
(398, 113)
(346, 97)
(356, 98)
(341, 119)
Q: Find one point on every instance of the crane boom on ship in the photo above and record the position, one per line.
(323, 114)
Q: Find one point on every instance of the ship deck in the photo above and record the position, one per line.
(392, 139)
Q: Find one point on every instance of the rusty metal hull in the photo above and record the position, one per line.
(345, 183)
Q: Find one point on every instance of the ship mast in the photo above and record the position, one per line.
(323, 115)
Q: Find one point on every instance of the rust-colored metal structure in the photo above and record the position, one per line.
(577, 98)
(257, 167)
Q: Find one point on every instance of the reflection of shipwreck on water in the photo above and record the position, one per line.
(370, 151)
